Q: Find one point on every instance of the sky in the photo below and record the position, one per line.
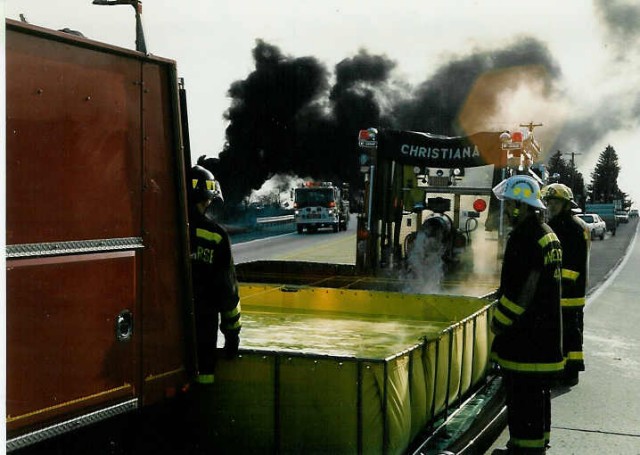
(593, 46)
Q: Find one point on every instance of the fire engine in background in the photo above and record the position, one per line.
(321, 204)
(406, 176)
(99, 313)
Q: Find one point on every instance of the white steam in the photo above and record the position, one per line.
(277, 190)
(425, 266)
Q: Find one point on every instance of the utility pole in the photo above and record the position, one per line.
(573, 168)
(573, 165)
(141, 45)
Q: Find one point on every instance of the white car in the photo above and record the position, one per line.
(622, 216)
(596, 225)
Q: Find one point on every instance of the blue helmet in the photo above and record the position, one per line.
(520, 188)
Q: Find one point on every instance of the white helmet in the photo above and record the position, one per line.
(520, 188)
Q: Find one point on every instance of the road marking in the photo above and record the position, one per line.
(616, 270)
(264, 238)
(614, 433)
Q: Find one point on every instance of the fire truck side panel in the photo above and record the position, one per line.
(98, 306)
(163, 348)
(62, 354)
(74, 120)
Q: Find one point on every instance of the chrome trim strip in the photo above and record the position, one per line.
(73, 247)
(71, 425)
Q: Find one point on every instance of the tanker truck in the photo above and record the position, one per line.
(420, 185)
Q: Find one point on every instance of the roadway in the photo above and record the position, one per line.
(340, 248)
(321, 246)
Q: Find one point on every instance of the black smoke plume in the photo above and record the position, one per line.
(285, 117)
(262, 127)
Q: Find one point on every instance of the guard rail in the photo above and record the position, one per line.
(266, 222)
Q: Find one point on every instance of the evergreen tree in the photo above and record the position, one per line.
(604, 178)
(558, 169)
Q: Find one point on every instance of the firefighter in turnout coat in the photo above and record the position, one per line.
(527, 319)
(216, 304)
(575, 241)
(215, 286)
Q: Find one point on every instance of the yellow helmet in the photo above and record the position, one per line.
(558, 191)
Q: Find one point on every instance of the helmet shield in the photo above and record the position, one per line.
(520, 188)
(204, 185)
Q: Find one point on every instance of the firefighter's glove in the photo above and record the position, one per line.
(231, 344)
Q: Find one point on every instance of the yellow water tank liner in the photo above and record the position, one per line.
(346, 371)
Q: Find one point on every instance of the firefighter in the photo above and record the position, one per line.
(575, 241)
(527, 319)
(215, 286)
(216, 302)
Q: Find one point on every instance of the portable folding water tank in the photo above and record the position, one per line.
(326, 370)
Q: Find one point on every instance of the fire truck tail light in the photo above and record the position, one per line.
(479, 205)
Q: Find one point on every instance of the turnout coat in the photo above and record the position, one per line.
(527, 319)
(215, 288)
(575, 240)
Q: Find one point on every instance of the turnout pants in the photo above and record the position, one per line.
(528, 412)
(572, 328)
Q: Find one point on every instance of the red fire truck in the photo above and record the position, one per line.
(98, 315)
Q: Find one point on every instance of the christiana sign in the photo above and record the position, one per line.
(428, 150)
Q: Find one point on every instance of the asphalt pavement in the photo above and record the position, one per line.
(601, 415)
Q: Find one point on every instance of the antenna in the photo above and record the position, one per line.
(531, 126)
(141, 45)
